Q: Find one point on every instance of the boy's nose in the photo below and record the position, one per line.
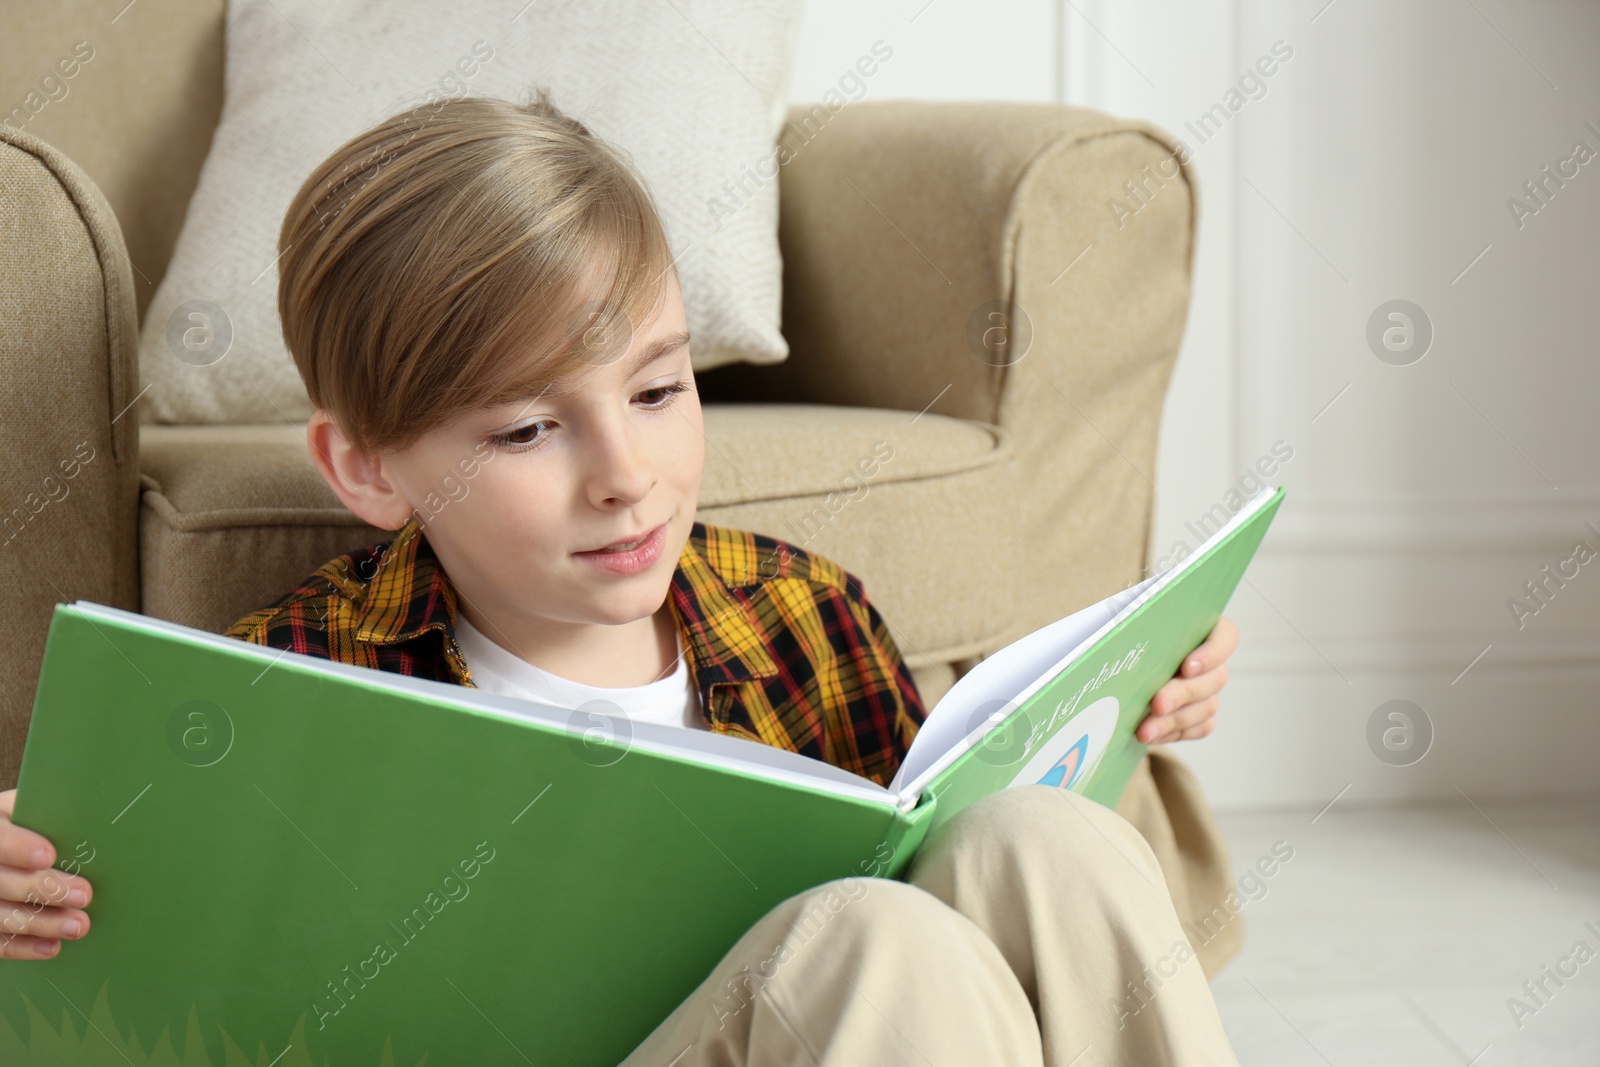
(622, 470)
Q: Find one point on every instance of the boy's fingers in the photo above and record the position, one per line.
(1217, 646)
(25, 849)
(1191, 716)
(1169, 698)
(1202, 730)
(35, 888)
(28, 948)
(1179, 724)
(1177, 694)
(52, 923)
(1196, 689)
(1154, 729)
(21, 847)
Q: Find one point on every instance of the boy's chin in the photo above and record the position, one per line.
(632, 605)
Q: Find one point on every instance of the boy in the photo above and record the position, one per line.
(461, 303)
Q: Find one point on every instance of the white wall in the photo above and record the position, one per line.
(1427, 494)
(1375, 163)
(943, 49)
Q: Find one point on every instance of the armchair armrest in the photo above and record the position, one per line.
(908, 228)
(69, 355)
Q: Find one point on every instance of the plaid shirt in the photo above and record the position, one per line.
(783, 645)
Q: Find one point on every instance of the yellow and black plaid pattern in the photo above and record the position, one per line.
(783, 645)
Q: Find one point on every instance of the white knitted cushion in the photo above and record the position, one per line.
(695, 91)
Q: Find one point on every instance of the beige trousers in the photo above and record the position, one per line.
(1033, 928)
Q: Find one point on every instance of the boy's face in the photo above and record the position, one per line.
(606, 456)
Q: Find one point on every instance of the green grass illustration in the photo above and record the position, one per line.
(97, 1041)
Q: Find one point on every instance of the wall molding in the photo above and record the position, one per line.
(1441, 656)
(1433, 523)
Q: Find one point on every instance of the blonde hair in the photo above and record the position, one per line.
(466, 257)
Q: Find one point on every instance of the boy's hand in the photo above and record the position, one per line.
(1186, 707)
(38, 905)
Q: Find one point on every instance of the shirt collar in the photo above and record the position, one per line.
(410, 594)
(721, 628)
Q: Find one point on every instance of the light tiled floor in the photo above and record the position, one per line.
(1397, 936)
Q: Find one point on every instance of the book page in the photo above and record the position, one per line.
(1000, 677)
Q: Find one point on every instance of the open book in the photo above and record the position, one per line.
(302, 862)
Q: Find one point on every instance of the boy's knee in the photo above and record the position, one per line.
(1020, 812)
(869, 925)
(865, 924)
(869, 961)
(850, 907)
(1014, 825)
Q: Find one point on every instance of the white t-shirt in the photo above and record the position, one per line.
(671, 701)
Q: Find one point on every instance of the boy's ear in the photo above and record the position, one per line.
(357, 479)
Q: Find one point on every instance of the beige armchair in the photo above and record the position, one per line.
(955, 287)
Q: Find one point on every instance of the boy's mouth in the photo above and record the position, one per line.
(633, 556)
(627, 544)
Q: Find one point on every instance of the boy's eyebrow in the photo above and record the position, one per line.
(656, 349)
(661, 346)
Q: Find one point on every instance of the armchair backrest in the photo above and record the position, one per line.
(136, 112)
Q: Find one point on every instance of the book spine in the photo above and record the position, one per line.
(906, 833)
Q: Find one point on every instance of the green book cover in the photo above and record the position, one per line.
(299, 862)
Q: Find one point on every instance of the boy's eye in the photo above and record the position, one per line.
(662, 395)
(522, 435)
(527, 437)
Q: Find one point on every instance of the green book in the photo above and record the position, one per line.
(302, 862)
